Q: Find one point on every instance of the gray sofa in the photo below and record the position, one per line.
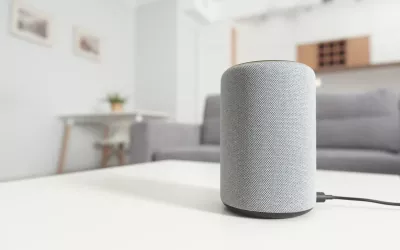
(355, 132)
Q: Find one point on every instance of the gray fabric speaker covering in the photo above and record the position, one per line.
(268, 151)
(211, 126)
(364, 121)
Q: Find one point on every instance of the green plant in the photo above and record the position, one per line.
(116, 98)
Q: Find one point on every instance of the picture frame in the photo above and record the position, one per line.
(87, 44)
(30, 24)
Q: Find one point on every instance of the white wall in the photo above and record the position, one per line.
(272, 40)
(169, 63)
(203, 55)
(37, 84)
(214, 57)
(156, 56)
(187, 54)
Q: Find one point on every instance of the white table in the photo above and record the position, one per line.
(176, 205)
(104, 119)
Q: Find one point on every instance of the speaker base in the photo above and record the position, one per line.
(263, 215)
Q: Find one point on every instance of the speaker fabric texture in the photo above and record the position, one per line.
(268, 139)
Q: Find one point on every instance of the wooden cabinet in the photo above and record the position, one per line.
(358, 52)
(307, 54)
(335, 54)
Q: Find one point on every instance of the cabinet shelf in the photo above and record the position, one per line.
(354, 68)
(335, 55)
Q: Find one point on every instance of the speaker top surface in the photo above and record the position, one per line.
(263, 62)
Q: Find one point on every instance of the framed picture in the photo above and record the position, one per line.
(87, 45)
(30, 24)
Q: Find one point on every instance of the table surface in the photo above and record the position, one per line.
(176, 205)
(112, 116)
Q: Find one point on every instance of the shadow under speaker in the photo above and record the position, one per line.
(268, 139)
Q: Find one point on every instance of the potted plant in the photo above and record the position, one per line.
(116, 101)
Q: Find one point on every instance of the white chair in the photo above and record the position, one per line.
(115, 142)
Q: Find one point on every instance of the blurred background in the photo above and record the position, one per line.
(97, 63)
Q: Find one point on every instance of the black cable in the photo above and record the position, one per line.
(322, 197)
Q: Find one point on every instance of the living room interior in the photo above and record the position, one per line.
(105, 87)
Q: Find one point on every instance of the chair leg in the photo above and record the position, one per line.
(121, 154)
(106, 156)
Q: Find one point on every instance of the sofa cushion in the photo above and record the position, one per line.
(211, 124)
(363, 121)
(370, 161)
(198, 153)
(211, 131)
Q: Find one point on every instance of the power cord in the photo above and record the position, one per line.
(322, 197)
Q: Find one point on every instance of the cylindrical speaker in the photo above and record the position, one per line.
(268, 139)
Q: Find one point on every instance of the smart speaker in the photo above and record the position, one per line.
(268, 139)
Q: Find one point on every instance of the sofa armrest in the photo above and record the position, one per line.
(148, 137)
